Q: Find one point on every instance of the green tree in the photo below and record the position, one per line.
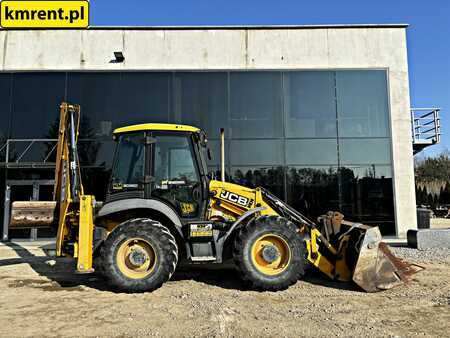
(433, 180)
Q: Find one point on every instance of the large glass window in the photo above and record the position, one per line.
(34, 113)
(272, 178)
(35, 106)
(255, 105)
(311, 152)
(200, 99)
(362, 103)
(310, 104)
(144, 98)
(364, 151)
(5, 109)
(5, 118)
(256, 152)
(366, 195)
(99, 95)
(318, 139)
(313, 190)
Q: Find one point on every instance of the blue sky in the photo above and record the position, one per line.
(428, 34)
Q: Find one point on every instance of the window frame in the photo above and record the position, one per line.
(188, 136)
(116, 159)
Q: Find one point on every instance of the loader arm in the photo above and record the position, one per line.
(347, 251)
(342, 250)
(316, 242)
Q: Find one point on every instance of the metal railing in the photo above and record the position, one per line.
(426, 127)
(426, 124)
(31, 153)
(15, 157)
(30, 143)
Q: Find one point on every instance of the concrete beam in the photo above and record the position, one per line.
(429, 238)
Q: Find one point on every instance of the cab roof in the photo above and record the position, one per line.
(156, 126)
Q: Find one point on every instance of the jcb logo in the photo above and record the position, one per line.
(235, 198)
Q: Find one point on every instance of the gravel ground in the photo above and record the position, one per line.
(438, 255)
(42, 297)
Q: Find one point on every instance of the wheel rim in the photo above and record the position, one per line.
(271, 254)
(136, 258)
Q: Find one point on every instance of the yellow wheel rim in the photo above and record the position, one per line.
(271, 254)
(136, 258)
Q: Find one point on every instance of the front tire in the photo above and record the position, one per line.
(270, 254)
(139, 255)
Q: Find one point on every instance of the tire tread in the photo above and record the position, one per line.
(248, 272)
(145, 228)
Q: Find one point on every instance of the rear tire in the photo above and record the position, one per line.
(139, 255)
(270, 254)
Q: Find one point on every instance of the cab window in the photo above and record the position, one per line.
(128, 169)
(176, 178)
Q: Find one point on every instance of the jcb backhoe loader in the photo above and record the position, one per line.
(162, 207)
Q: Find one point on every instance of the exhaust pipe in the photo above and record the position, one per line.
(222, 154)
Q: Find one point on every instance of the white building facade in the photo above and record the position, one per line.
(320, 115)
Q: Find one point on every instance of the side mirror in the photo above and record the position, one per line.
(208, 153)
(212, 175)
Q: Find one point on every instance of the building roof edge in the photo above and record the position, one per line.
(230, 27)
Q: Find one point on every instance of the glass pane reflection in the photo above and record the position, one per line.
(36, 100)
(310, 104)
(144, 98)
(255, 104)
(256, 152)
(200, 99)
(365, 151)
(311, 152)
(99, 95)
(362, 103)
(313, 190)
(367, 196)
(271, 178)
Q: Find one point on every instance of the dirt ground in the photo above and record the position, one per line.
(42, 298)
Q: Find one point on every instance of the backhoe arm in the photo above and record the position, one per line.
(75, 209)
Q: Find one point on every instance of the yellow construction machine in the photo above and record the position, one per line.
(162, 208)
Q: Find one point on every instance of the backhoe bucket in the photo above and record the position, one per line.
(32, 214)
(376, 267)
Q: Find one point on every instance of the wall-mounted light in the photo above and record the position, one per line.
(118, 57)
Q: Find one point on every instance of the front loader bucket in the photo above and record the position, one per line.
(376, 267)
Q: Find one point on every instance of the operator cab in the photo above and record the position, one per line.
(161, 161)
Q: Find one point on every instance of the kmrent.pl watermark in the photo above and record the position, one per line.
(44, 14)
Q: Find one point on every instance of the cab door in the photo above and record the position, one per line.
(175, 173)
(129, 169)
